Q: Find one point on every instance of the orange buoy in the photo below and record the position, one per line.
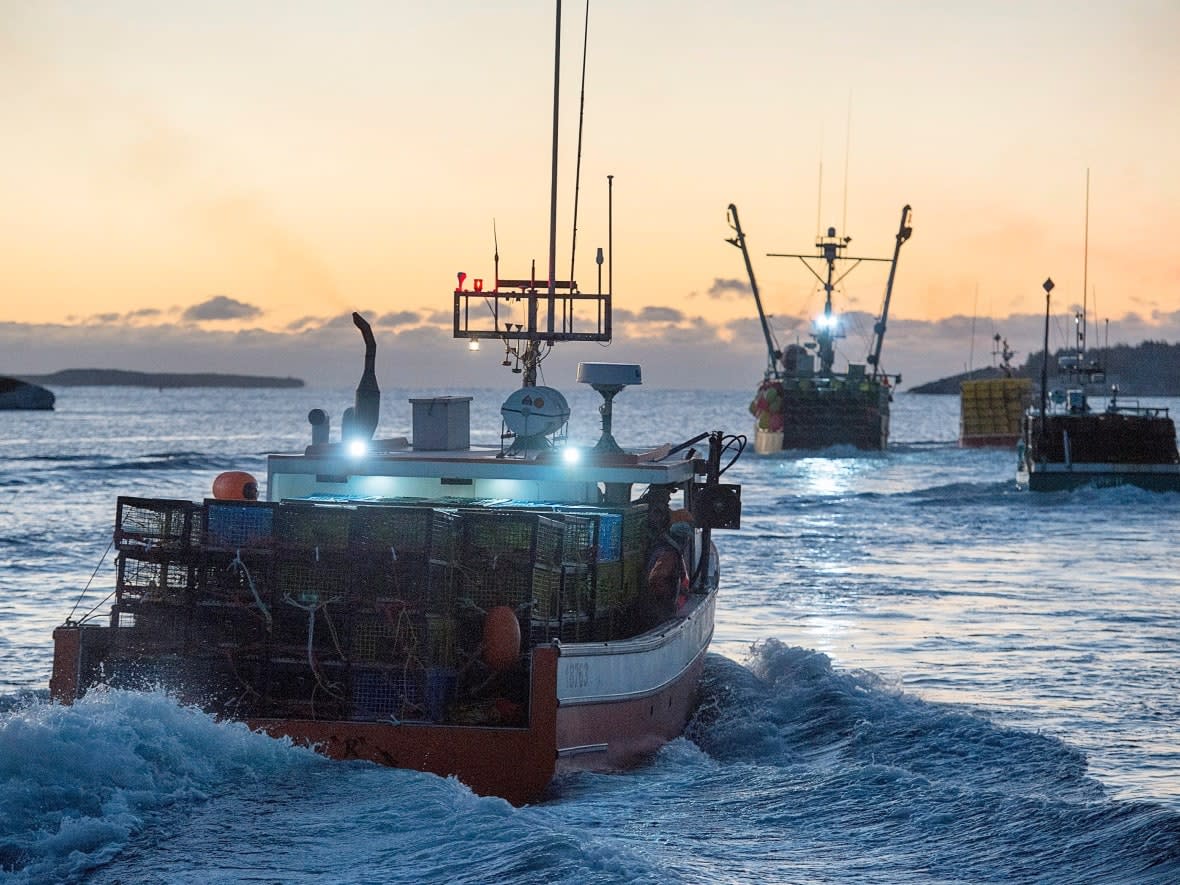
(235, 485)
(501, 638)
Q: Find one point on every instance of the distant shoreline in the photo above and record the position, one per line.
(1151, 368)
(121, 378)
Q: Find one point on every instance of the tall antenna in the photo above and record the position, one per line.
(553, 181)
(578, 167)
(974, 314)
(847, 144)
(1086, 256)
(819, 201)
(496, 254)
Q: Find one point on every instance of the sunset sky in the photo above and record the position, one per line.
(216, 186)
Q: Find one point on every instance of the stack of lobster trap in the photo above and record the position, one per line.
(359, 611)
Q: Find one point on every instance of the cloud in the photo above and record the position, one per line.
(653, 314)
(328, 352)
(221, 307)
(728, 288)
(399, 318)
(303, 323)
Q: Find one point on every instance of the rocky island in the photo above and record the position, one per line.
(18, 394)
(1151, 368)
(121, 378)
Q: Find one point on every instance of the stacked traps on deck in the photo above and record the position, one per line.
(362, 611)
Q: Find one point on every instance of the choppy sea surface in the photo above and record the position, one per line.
(919, 675)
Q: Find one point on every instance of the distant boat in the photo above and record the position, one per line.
(991, 409)
(17, 394)
(802, 402)
(1065, 443)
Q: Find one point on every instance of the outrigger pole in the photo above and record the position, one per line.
(903, 233)
(773, 354)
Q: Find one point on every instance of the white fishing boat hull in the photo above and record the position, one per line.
(620, 701)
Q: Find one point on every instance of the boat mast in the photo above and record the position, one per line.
(903, 233)
(1048, 287)
(532, 354)
(829, 247)
(773, 354)
(826, 329)
(584, 316)
(1085, 262)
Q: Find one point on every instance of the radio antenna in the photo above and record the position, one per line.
(578, 166)
(1086, 256)
(847, 151)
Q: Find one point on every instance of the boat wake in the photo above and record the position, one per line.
(78, 783)
(915, 784)
(791, 770)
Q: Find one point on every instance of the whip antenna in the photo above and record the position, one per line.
(578, 165)
(847, 151)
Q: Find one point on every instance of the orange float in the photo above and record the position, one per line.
(235, 485)
(501, 638)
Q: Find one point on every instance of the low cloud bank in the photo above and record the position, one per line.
(676, 350)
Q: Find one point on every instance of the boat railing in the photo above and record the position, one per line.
(1133, 407)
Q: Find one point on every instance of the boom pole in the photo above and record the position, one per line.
(772, 352)
(904, 229)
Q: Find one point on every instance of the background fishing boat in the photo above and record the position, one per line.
(803, 402)
(1079, 435)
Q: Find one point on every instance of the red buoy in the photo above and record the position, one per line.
(235, 485)
(501, 638)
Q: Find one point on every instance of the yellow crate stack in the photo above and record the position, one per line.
(991, 409)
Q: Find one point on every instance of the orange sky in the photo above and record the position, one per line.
(299, 161)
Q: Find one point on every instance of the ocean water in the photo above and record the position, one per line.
(919, 675)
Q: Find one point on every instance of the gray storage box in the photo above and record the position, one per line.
(442, 423)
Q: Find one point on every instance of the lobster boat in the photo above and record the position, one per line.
(497, 614)
(1066, 442)
(803, 401)
(500, 614)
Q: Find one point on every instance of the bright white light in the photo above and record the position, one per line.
(571, 456)
(357, 447)
(473, 344)
(827, 322)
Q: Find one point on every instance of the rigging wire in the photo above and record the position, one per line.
(81, 595)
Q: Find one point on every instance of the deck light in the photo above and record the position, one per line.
(357, 448)
(571, 455)
(828, 321)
